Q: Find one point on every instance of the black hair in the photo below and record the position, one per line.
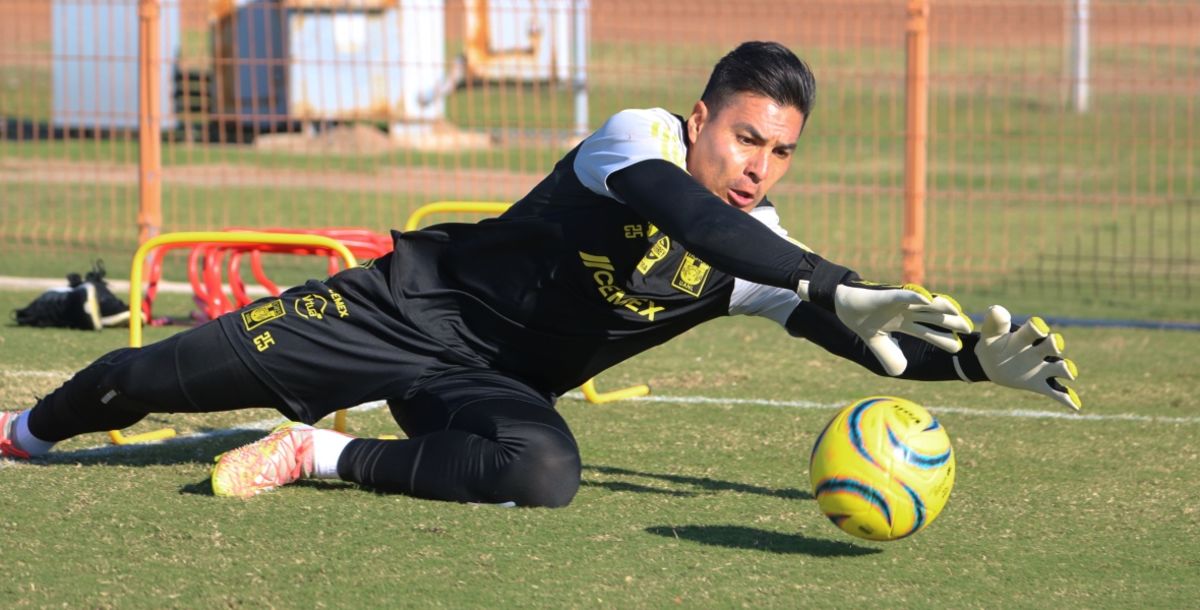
(763, 68)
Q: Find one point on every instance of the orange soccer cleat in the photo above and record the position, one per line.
(283, 456)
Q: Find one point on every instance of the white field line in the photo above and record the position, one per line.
(797, 404)
(267, 424)
(63, 375)
(1017, 413)
(118, 286)
(254, 426)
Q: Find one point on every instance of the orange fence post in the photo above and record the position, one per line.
(149, 121)
(912, 245)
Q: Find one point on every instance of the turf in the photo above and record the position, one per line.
(684, 501)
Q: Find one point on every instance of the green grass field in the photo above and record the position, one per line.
(697, 498)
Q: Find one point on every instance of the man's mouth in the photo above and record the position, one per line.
(740, 198)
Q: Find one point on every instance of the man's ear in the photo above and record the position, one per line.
(696, 121)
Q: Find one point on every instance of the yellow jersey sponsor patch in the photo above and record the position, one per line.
(311, 306)
(339, 304)
(611, 292)
(657, 252)
(262, 314)
(691, 275)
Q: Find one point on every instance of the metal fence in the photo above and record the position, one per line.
(1060, 138)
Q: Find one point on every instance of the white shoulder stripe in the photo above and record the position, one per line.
(626, 138)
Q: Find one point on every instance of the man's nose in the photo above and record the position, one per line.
(756, 167)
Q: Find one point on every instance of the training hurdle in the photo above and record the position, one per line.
(497, 207)
(249, 239)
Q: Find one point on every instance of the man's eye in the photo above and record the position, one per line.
(744, 140)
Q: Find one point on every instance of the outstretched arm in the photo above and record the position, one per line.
(735, 243)
(925, 362)
(714, 231)
(1027, 357)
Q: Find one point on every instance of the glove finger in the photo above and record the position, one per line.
(941, 304)
(910, 294)
(1033, 329)
(919, 289)
(1063, 394)
(996, 323)
(945, 341)
(1053, 346)
(888, 353)
(949, 321)
(945, 302)
(874, 299)
(1061, 367)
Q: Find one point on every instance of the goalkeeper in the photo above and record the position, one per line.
(654, 224)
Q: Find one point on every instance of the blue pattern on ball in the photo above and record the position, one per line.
(916, 458)
(860, 489)
(855, 426)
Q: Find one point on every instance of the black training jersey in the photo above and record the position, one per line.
(570, 281)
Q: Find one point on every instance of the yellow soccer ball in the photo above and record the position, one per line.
(882, 469)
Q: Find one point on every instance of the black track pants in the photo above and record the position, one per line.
(191, 372)
(474, 436)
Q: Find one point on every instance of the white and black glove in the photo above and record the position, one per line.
(873, 311)
(1029, 357)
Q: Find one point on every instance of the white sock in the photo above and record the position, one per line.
(25, 440)
(327, 448)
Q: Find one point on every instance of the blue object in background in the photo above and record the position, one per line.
(334, 61)
(95, 63)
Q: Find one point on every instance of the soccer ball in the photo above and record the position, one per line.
(882, 469)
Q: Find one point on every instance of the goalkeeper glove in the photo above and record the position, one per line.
(872, 311)
(1025, 358)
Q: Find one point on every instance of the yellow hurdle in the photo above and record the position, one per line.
(597, 397)
(454, 207)
(194, 238)
(497, 207)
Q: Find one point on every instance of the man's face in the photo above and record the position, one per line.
(740, 152)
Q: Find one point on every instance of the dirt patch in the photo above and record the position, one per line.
(367, 140)
(463, 182)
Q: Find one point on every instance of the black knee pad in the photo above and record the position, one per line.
(417, 419)
(544, 470)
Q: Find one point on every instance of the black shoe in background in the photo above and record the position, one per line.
(113, 311)
(63, 308)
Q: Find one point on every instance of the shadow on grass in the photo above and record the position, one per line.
(617, 486)
(739, 537)
(203, 487)
(703, 483)
(185, 450)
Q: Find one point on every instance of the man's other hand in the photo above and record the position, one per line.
(1027, 358)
